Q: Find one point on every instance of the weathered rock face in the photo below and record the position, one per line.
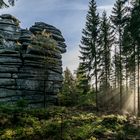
(30, 62)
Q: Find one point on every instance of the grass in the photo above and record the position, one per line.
(62, 123)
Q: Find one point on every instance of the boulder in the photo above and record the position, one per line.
(30, 62)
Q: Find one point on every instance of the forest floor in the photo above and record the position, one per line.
(65, 123)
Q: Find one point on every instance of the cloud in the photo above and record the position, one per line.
(67, 15)
(107, 8)
(71, 59)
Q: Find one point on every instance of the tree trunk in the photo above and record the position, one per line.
(134, 79)
(44, 93)
(115, 69)
(134, 94)
(96, 84)
(120, 48)
(138, 84)
(126, 79)
(106, 92)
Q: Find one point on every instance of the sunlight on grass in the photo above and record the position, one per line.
(61, 122)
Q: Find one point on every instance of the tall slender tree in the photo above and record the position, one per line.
(135, 32)
(129, 57)
(106, 39)
(118, 19)
(115, 68)
(89, 47)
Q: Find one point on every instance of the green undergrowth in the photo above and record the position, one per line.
(61, 123)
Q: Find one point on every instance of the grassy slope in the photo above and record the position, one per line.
(57, 123)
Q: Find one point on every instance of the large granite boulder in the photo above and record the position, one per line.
(30, 62)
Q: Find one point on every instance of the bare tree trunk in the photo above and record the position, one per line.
(134, 79)
(138, 85)
(126, 79)
(115, 69)
(134, 94)
(120, 48)
(44, 93)
(106, 92)
(96, 84)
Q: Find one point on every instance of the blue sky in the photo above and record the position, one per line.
(67, 15)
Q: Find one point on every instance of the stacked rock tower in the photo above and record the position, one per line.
(30, 62)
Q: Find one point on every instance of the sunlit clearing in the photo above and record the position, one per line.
(130, 106)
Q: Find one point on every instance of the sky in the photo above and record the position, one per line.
(67, 15)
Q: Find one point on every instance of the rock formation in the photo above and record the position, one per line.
(30, 62)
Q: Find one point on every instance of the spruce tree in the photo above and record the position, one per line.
(106, 39)
(118, 18)
(68, 92)
(115, 76)
(129, 60)
(89, 48)
(82, 81)
(135, 32)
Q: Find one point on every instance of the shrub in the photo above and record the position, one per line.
(22, 103)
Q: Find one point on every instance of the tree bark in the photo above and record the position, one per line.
(96, 84)
(134, 79)
(120, 48)
(138, 84)
(115, 69)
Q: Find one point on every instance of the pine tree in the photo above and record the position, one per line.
(68, 92)
(129, 58)
(135, 32)
(82, 82)
(118, 19)
(115, 68)
(106, 39)
(89, 47)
